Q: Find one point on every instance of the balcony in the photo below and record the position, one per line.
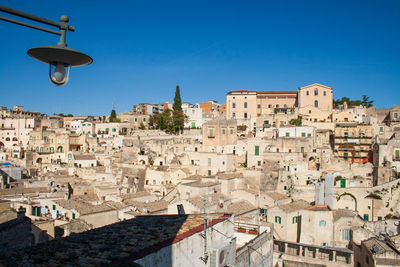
(297, 252)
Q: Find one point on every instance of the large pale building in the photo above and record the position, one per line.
(249, 104)
(316, 95)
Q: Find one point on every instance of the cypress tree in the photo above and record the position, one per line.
(178, 116)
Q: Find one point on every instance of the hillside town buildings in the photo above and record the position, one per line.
(271, 178)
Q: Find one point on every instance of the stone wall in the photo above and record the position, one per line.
(258, 252)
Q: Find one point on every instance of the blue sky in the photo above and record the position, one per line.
(143, 49)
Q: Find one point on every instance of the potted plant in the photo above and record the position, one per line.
(241, 230)
(253, 232)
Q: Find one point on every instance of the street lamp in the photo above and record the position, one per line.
(59, 57)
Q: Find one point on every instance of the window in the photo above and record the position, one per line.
(144, 119)
(346, 234)
(324, 244)
(345, 155)
(316, 91)
(231, 131)
(278, 219)
(233, 105)
(135, 119)
(397, 154)
(210, 132)
(233, 114)
(269, 106)
(346, 134)
(381, 129)
(114, 130)
(324, 93)
(245, 104)
(257, 150)
(245, 114)
(316, 103)
(287, 134)
(277, 106)
(303, 134)
(258, 106)
(259, 163)
(294, 219)
(308, 93)
(223, 131)
(395, 115)
(322, 223)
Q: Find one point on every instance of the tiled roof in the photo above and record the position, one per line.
(117, 244)
(199, 202)
(227, 176)
(84, 157)
(319, 208)
(82, 206)
(136, 195)
(199, 183)
(296, 205)
(276, 195)
(240, 207)
(337, 214)
(377, 246)
(149, 207)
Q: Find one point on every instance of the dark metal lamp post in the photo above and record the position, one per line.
(59, 57)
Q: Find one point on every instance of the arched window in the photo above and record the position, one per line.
(316, 103)
(60, 149)
(322, 223)
(15, 139)
(316, 91)
(8, 139)
(278, 219)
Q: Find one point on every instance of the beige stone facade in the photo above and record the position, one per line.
(316, 95)
(219, 132)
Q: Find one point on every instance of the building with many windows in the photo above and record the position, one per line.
(249, 104)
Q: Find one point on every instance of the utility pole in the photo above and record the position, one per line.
(205, 253)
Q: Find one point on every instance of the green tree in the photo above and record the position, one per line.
(142, 126)
(366, 102)
(113, 116)
(162, 121)
(177, 112)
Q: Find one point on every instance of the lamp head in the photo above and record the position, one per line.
(59, 58)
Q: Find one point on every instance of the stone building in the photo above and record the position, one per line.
(353, 142)
(219, 132)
